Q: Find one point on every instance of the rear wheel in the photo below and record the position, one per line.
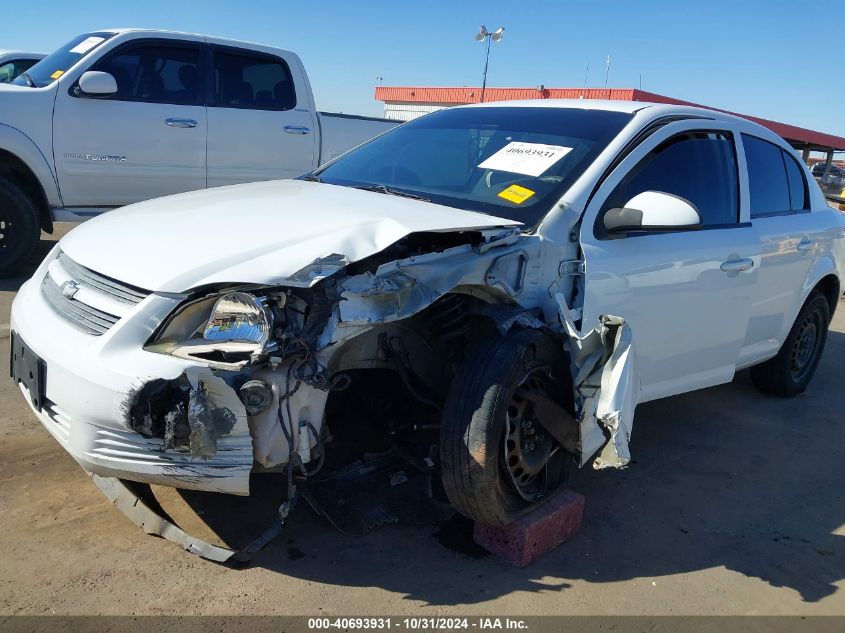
(498, 457)
(19, 230)
(789, 373)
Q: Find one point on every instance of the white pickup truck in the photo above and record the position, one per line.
(120, 116)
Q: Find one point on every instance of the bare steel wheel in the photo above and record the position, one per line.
(528, 446)
(789, 373)
(806, 345)
(508, 439)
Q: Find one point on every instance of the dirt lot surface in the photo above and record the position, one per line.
(735, 505)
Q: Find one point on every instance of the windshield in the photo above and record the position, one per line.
(60, 61)
(511, 162)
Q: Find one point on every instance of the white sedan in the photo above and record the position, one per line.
(506, 281)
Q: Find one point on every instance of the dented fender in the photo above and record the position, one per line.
(606, 386)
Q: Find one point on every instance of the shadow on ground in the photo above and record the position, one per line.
(45, 245)
(726, 477)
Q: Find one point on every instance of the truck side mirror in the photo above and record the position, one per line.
(653, 211)
(96, 84)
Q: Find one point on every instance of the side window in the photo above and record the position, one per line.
(155, 73)
(13, 68)
(697, 166)
(799, 200)
(7, 72)
(767, 178)
(246, 81)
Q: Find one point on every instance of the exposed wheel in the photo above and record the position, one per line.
(498, 460)
(19, 229)
(789, 373)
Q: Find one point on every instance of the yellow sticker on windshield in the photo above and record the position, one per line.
(516, 194)
(57, 74)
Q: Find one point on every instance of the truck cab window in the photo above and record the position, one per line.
(246, 81)
(154, 74)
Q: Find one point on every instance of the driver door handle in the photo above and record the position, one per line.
(805, 245)
(297, 129)
(180, 122)
(737, 265)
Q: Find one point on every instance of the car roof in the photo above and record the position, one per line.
(645, 108)
(11, 52)
(197, 36)
(631, 107)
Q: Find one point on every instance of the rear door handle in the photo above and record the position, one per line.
(805, 245)
(737, 265)
(297, 129)
(180, 122)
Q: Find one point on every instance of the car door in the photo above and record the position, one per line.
(145, 141)
(684, 293)
(780, 214)
(260, 125)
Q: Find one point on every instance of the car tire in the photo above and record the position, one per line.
(789, 373)
(478, 423)
(19, 228)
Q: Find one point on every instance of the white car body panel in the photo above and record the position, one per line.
(268, 231)
(655, 315)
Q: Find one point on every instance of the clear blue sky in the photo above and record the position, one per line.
(778, 59)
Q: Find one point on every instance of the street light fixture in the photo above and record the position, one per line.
(482, 35)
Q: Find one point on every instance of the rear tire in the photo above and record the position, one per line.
(19, 228)
(789, 373)
(488, 442)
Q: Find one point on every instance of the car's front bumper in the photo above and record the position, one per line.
(89, 382)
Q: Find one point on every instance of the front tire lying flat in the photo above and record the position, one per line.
(497, 462)
(789, 373)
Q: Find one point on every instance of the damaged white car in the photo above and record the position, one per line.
(494, 288)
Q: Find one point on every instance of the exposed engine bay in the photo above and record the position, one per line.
(385, 338)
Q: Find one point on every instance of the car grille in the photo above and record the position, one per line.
(85, 317)
(115, 289)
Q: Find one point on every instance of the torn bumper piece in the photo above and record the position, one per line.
(606, 387)
(152, 522)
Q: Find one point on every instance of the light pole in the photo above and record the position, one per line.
(482, 35)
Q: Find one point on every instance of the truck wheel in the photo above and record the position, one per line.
(19, 229)
(497, 461)
(789, 373)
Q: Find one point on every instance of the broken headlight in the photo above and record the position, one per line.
(230, 330)
(238, 316)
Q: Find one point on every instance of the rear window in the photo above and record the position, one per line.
(255, 82)
(775, 181)
(61, 60)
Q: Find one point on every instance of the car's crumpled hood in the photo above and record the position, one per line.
(258, 233)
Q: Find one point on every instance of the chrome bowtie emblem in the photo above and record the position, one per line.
(69, 289)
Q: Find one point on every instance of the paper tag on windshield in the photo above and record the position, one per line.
(86, 45)
(530, 159)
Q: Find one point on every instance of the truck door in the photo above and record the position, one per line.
(260, 123)
(147, 140)
(685, 293)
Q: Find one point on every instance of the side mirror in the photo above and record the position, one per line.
(95, 83)
(653, 211)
